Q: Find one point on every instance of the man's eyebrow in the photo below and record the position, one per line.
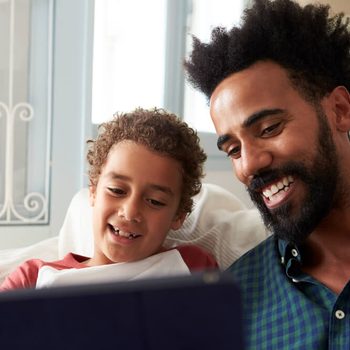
(252, 119)
(222, 139)
(255, 117)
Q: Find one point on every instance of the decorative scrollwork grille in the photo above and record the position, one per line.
(25, 112)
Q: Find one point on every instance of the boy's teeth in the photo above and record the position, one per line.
(123, 234)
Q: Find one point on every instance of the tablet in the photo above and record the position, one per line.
(201, 311)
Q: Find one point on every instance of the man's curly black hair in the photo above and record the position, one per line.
(309, 42)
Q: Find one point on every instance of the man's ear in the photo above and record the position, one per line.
(92, 194)
(178, 220)
(340, 105)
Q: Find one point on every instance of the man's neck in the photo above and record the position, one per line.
(327, 251)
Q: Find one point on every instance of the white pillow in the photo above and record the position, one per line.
(220, 223)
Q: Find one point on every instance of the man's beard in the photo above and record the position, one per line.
(321, 179)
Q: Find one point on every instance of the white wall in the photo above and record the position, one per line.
(228, 180)
(336, 5)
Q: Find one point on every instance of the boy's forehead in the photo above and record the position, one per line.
(130, 143)
(130, 160)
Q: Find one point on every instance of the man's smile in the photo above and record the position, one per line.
(276, 192)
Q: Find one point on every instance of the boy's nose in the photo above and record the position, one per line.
(130, 210)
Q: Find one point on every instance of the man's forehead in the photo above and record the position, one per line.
(258, 71)
(260, 86)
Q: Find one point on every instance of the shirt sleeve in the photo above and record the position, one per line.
(196, 258)
(24, 276)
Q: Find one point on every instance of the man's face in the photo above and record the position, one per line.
(280, 146)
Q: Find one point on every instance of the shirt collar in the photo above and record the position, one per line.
(290, 257)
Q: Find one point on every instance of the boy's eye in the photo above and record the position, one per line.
(272, 130)
(156, 203)
(116, 190)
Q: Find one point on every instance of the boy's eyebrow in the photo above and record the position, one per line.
(161, 188)
(252, 119)
(165, 189)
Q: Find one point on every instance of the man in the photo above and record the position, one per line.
(278, 90)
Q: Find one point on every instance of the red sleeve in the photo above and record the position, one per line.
(24, 276)
(197, 258)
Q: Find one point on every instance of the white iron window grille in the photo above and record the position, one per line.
(25, 110)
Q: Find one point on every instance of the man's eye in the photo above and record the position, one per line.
(272, 130)
(234, 152)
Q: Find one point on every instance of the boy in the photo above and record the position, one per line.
(144, 169)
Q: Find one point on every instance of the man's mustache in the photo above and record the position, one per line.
(266, 177)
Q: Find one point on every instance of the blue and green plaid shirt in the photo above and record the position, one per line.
(285, 308)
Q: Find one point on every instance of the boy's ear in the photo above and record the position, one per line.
(92, 194)
(178, 220)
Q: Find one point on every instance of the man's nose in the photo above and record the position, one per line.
(254, 159)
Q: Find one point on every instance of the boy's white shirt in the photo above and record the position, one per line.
(165, 264)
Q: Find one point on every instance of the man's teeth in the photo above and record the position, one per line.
(121, 233)
(282, 185)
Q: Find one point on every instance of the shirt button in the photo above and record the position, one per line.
(339, 314)
(294, 253)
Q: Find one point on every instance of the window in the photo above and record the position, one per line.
(139, 47)
(25, 111)
(41, 39)
(129, 56)
(203, 17)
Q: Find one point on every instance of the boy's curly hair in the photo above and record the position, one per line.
(313, 46)
(159, 131)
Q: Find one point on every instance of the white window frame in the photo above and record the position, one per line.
(71, 126)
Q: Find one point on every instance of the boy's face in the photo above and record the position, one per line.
(135, 203)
